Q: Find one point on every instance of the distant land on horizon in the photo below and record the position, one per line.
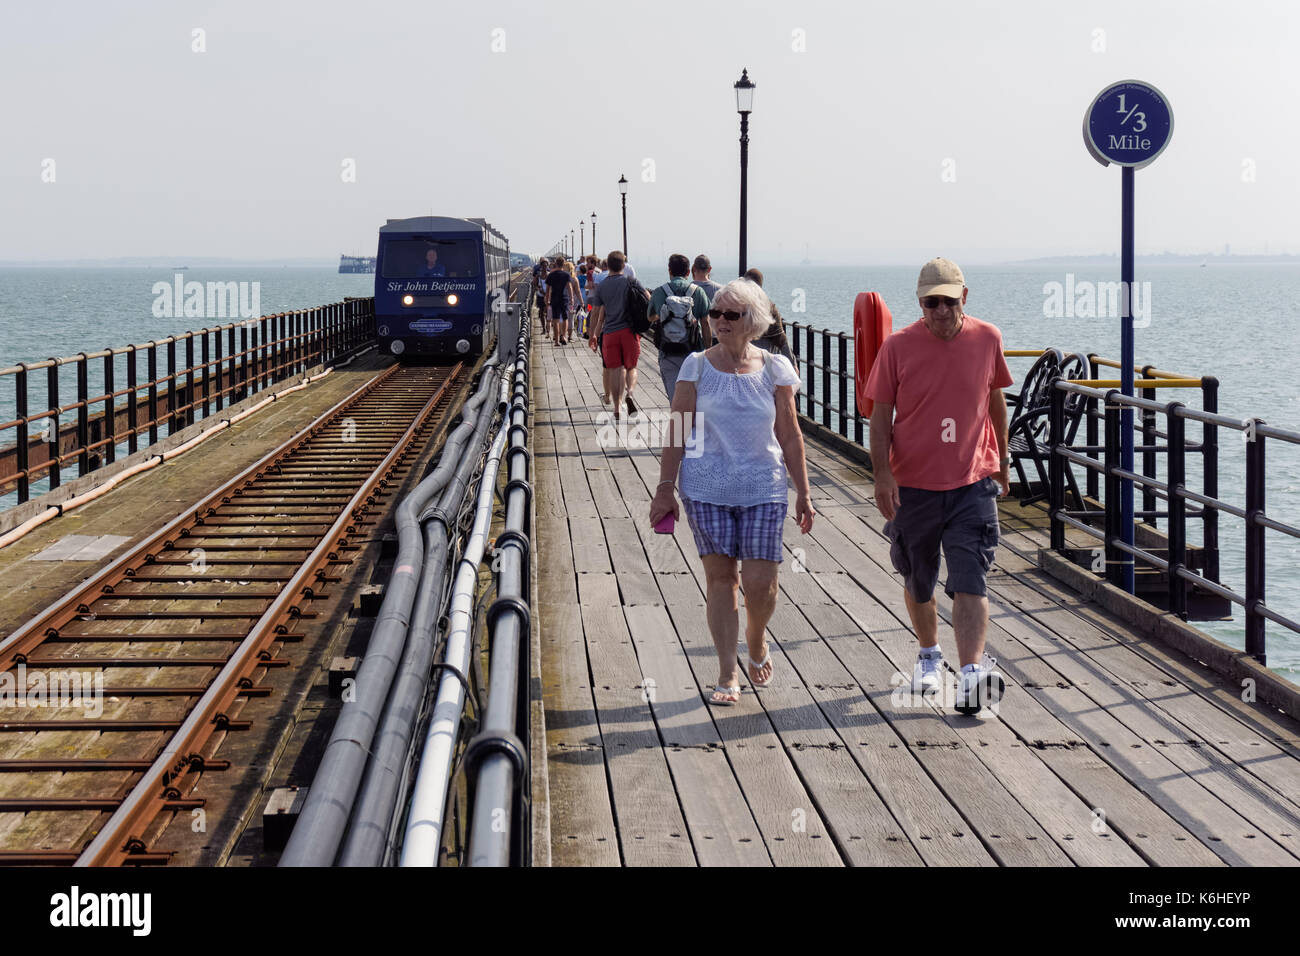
(311, 262)
(175, 262)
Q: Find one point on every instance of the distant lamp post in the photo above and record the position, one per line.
(573, 242)
(582, 238)
(593, 235)
(622, 188)
(744, 106)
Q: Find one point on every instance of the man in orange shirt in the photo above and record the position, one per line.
(939, 457)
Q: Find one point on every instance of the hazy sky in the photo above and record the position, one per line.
(527, 113)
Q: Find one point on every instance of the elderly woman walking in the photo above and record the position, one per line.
(737, 400)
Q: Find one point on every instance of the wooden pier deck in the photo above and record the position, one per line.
(1108, 749)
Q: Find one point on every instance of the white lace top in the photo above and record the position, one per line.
(733, 457)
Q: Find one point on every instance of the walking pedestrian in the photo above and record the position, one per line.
(737, 401)
(678, 310)
(773, 339)
(557, 291)
(540, 272)
(620, 347)
(940, 462)
(701, 275)
(572, 301)
(579, 318)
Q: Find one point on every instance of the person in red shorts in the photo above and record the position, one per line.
(940, 462)
(621, 347)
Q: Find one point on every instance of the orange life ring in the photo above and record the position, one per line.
(871, 323)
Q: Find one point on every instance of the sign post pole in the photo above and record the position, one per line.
(1129, 124)
(1126, 359)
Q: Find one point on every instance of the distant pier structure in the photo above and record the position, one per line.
(356, 264)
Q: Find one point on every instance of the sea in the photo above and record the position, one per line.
(1233, 320)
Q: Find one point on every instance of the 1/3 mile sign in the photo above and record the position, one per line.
(1128, 124)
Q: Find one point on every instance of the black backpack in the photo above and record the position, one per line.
(636, 307)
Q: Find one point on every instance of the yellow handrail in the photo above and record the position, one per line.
(1138, 382)
(1159, 378)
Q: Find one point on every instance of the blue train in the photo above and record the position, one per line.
(440, 284)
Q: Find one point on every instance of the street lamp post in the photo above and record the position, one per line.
(622, 188)
(744, 106)
(593, 235)
(582, 238)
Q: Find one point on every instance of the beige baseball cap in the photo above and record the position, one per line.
(940, 277)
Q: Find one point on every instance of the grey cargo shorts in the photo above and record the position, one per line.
(964, 520)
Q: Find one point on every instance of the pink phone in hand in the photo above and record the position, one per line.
(665, 524)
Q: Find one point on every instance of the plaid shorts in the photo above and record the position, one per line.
(739, 532)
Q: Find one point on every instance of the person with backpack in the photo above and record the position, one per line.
(620, 304)
(677, 312)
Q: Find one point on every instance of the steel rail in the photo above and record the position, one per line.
(15, 647)
(123, 833)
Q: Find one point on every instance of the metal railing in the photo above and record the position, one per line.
(838, 396)
(823, 358)
(1175, 492)
(218, 367)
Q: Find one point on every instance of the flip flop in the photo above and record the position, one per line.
(727, 692)
(758, 666)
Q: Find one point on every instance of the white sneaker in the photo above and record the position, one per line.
(926, 673)
(981, 686)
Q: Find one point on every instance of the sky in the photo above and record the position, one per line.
(881, 133)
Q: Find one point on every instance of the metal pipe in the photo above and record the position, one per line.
(370, 831)
(1255, 486)
(429, 799)
(317, 834)
(497, 758)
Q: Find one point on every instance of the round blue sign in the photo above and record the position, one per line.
(1128, 124)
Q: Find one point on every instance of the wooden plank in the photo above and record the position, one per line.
(810, 793)
(1274, 726)
(582, 821)
(590, 552)
(722, 829)
(651, 828)
(937, 831)
(1153, 833)
(1227, 833)
(1205, 760)
(636, 581)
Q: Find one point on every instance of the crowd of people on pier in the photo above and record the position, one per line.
(939, 445)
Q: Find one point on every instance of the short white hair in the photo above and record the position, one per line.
(753, 302)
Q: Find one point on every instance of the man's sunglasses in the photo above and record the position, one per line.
(934, 301)
(729, 315)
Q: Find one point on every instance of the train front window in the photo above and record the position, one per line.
(421, 258)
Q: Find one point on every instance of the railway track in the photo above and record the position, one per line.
(121, 694)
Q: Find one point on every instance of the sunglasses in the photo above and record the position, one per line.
(934, 301)
(729, 315)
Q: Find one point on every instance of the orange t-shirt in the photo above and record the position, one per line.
(943, 437)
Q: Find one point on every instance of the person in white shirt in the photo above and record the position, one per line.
(737, 402)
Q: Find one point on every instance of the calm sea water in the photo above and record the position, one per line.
(1233, 321)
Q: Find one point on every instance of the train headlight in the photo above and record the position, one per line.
(462, 346)
(398, 346)
(408, 300)
(453, 299)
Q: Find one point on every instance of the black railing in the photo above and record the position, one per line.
(837, 406)
(233, 362)
(1175, 492)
